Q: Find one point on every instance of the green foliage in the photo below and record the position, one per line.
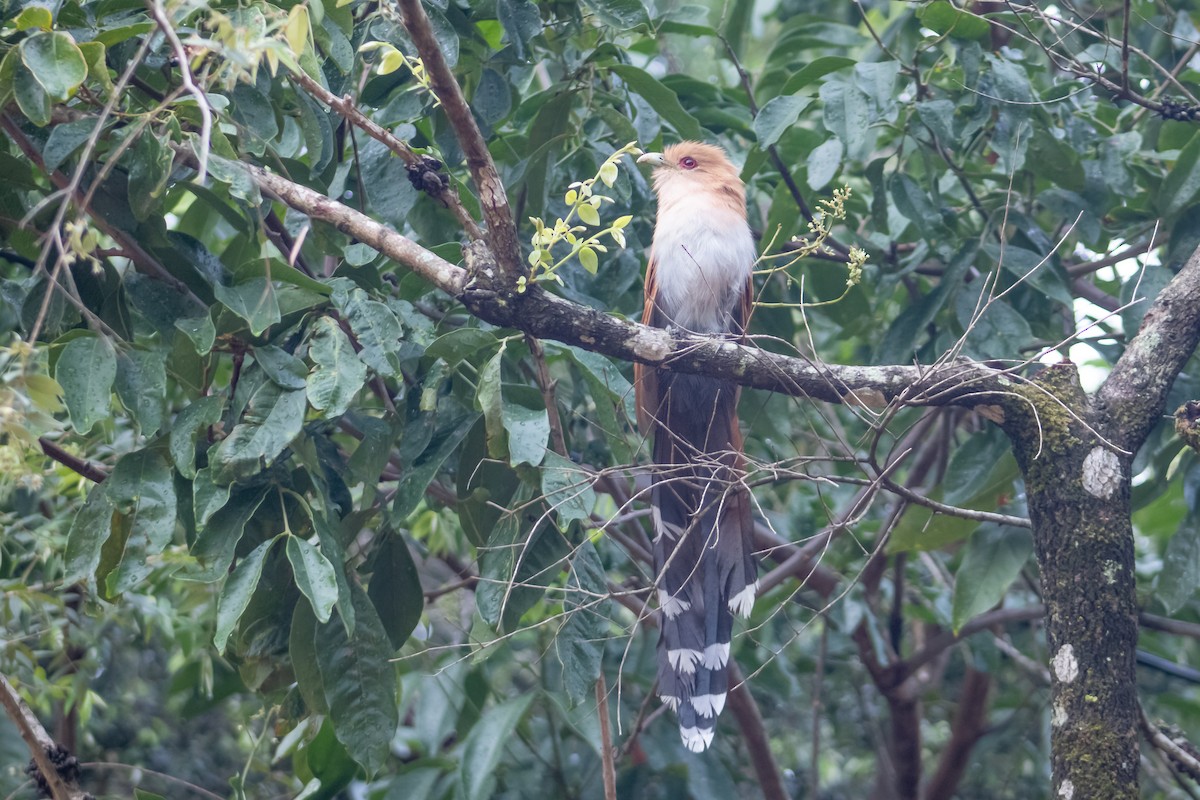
(362, 536)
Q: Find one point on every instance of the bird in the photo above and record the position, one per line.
(699, 280)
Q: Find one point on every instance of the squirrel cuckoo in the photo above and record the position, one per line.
(698, 280)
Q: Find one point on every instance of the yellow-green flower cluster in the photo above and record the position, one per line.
(583, 206)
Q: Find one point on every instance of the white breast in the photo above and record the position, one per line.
(703, 258)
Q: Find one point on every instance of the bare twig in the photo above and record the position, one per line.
(185, 72)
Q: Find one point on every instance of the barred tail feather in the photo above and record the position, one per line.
(704, 565)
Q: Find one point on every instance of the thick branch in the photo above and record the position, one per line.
(544, 315)
(39, 742)
(1132, 398)
(502, 231)
(436, 270)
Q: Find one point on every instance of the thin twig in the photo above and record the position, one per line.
(185, 73)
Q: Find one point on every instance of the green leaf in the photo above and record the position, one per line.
(580, 641)
(847, 114)
(142, 794)
(946, 18)
(360, 684)
(239, 588)
(521, 559)
(485, 487)
(208, 497)
(253, 301)
(89, 530)
(914, 203)
(662, 99)
(55, 61)
(490, 399)
(141, 385)
(395, 590)
(589, 215)
(972, 464)
(779, 114)
(376, 328)
(907, 330)
(303, 654)
(823, 163)
(492, 99)
(31, 97)
(33, 17)
(567, 488)
(459, 345)
(1056, 160)
(142, 492)
(284, 369)
(338, 375)
(414, 483)
(1180, 573)
(200, 331)
(201, 413)
(521, 21)
(485, 744)
(314, 576)
(93, 54)
(923, 529)
(332, 549)
(65, 139)
(817, 68)
(528, 430)
(1182, 184)
(149, 169)
(273, 418)
(218, 536)
(85, 370)
(621, 14)
(992, 560)
(588, 259)
(1000, 331)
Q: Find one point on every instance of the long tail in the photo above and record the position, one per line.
(703, 559)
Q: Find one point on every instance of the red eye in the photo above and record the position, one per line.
(687, 162)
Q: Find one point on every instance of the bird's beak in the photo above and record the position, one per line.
(657, 159)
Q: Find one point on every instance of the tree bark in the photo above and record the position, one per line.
(1078, 495)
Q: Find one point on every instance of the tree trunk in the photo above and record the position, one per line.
(1078, 493)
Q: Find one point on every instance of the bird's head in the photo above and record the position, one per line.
(689, 168)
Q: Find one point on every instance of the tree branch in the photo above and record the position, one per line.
(39, 742)
(492, 298)
(1132, 397)
(93, 472)
(349, 111)
(502, 231)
